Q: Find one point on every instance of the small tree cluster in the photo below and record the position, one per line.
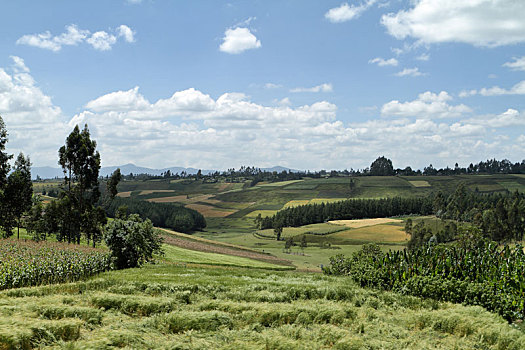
(16, 190)
(132, 241)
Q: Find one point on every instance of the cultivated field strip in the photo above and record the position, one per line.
(191, 308)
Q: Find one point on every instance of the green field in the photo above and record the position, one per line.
(230, 208)
(182, 307)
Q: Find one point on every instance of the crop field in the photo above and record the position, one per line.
(314, 229)
(364, 222)
(279, 184)
(419, 183)
(512, 186)
(28, 263)
(186, 307)
(263, 213)
(210, 211)
(376, 233)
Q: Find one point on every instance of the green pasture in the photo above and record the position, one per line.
(174, 254)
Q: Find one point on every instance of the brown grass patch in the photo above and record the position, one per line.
(364, 222)
(145, 192)
(376, 233)
(419, 183)
(124, 194)
(209, 211)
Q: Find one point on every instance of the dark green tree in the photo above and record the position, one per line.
(132, 241)
(382, 167)
(19, 190)
(278, 230)
(113, 182)
(7, 222)
(80, 162)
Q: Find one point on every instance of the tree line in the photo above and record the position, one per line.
(382, 166)
(500, 217)
(167, 215)
(80, 209)
(346, 210)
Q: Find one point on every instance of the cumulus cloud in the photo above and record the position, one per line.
(486, 23)
(427, 105)
(409, 72)
(510, 118)
(238, 40)
(191, 128)
(126, 32)
(35, 125)
(347, 12)
(100, 40)
(382, 62)
(326, 87)
(518, 89)
(518, 64)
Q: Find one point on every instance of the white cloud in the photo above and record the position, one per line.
(382, 62)
(468, 93)
(272, 86)
(190, 128)
(102, 41)
(73, 36)
(423, 57)
(238, 40)
(427, 105)
(518, 64)
(347, 12)
(486, 23)
(284, 102)
(409, 72)
(35, 125)
(126, 32)
(517, 89)
(511, 117)
(326, 87)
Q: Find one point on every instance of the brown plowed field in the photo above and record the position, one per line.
(211, 248)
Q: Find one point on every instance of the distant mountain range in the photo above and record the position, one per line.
(47, 172)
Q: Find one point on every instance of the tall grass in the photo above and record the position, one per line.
(165, 306)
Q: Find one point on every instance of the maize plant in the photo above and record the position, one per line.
(487, 274)
(28, 263)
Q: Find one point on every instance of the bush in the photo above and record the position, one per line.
(132, 241)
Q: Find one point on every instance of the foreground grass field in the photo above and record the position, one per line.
(175, 307)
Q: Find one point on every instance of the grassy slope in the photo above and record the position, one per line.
(168, 306)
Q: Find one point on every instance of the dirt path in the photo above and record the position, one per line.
(189, 243)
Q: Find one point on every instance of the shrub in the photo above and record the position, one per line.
(132, 241)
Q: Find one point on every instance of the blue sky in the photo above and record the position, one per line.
(303, 84)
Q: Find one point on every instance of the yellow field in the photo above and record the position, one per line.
(124, 194)
(145, 192)
(376, 233)
(279, 184)
(363, 222)
(263, 213)
(296, 203)
(419, 183)
(209, 211)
